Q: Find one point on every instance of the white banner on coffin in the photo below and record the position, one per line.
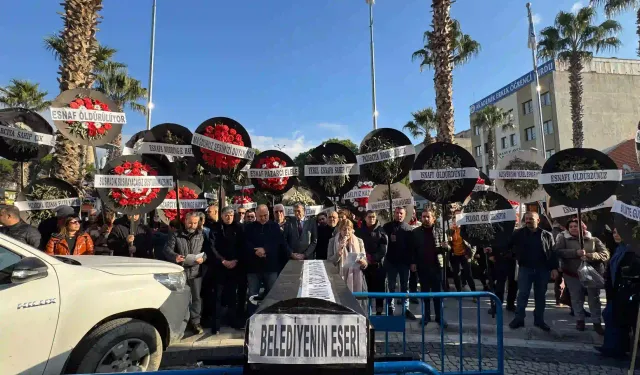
(222, 147)
(87, 115)
(560, 211)
(515, 174)
(27, 136)
(47, 204)
(163, 149)
(309, 210)
(388, 154)
(273, 173)
(132, 182)
(626, 210)
(487, 217)
(300, 339)
(331, 170)
(580, 176)
(443, 174)
(185, 204)
(358, 193)
(384, 205)
(315, 281)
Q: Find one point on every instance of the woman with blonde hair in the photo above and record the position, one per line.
(348, 253)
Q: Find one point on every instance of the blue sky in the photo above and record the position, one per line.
(292, 72)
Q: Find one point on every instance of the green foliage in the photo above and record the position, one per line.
(303, 157)
(24, 94)
(423, 124)
(463, 49)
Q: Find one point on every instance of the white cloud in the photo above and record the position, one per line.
(576, 7)
(536, 18)
(291, 146)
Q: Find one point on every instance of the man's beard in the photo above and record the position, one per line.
(191, 230)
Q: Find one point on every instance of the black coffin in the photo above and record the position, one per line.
(293, 333)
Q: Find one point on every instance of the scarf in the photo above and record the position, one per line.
(614, 263)
(352, 276)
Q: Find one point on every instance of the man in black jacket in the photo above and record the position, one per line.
(375, 243)
(17, 229)
(399, 255)
(125, 242)
(533, 249)
(326, 226)
(186, 247)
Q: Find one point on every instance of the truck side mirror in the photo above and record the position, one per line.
(29, 269)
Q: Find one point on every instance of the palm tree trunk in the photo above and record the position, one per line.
(491, 155)
(115, 152)
(443, 77)
(428, 139)
(575, 92)
(77, 60)
(21, 175)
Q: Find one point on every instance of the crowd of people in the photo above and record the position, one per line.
(232, 258)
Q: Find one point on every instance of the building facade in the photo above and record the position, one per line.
(610, 97)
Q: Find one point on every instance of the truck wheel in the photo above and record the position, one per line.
(120, 345)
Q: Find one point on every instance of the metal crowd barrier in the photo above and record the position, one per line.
(397, 323)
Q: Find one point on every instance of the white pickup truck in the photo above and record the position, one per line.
(86, 314)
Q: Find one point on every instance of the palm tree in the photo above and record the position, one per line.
(424, 122)
(573, 40)
(77, 61)
(489, 118)
(445, 47)
(23, 94)
(614, 7)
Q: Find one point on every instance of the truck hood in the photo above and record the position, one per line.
(121, 265)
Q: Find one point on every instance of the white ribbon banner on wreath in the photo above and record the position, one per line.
(273, 173)
(515, 174)
(132, 182)
(580, 176)
(87, 115)
(247, 206)
(238, 187)
(638, 136)
(388, 154)
(486, 217)
(384, 205)
(308, 210)
(185, 204)
(626, 210)
(27, 136)
(357, 194)
(222, 147)
(331, 170)
(561, 210)
(443, 174)
(128, 151)
(47, 204)
(482, 187)
(163, 149)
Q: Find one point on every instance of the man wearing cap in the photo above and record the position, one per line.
(53, 224)
(14, 227)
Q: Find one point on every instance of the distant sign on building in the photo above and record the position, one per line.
(514, 86)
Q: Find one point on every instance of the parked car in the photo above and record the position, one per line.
(86, 314)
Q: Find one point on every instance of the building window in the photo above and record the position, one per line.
(504, 142)
(527, 107)
(550, 152)
(477, 151)
(486, 148)
(545, 98)
(530, 133)
(512, 139)
(547, 126)
(476, 130)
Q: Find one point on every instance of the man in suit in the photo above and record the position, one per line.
(301, 234)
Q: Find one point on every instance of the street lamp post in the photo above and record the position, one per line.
(373, 66)
(151, 58)
(533, 44)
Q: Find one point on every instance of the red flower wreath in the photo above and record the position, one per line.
(222, 133)
(138, 196)
(89, 129)
(183, 193)
(361, 203)
(247, 191)
(276, 183)
(239, 199)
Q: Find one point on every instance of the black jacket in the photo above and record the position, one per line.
(375, 241)
(142, 242)
(626, 285)
(325, 232)
(23, 232)
(268, 236)
(46, 229)
(228, 242)
(185, 243)
(518, 239)
(399, 250)
(418, 247)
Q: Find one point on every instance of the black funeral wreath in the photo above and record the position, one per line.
(580, 194)
(595, 220)
(272, 159)
(629, 193)
(487, 234)
(43, 190)
(331, 186)
(388, 171)
(23, 119)
(441, 155)
(173, 134)
(225, 128)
